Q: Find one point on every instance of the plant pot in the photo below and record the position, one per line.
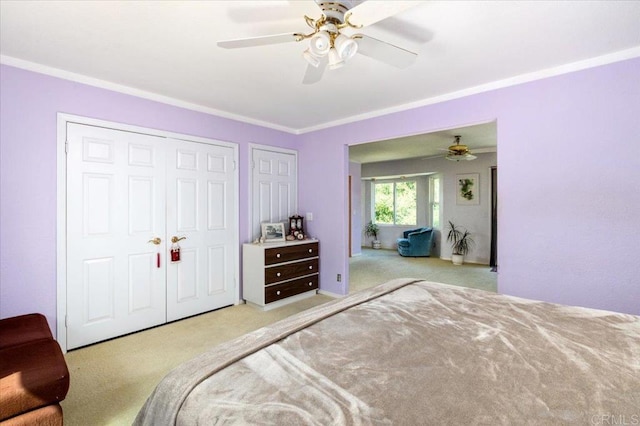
(457, 259)
(376, 244)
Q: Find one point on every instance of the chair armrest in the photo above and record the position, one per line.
(403, 242)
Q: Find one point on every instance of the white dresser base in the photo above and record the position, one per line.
(284, 302)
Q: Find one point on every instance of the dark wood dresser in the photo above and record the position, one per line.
(275, 274)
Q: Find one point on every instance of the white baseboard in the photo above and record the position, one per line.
(466, 261)
(330, 294)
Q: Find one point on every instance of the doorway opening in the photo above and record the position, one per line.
(436, 196)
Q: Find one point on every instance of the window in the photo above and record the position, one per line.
(395, 203)
(434, 192)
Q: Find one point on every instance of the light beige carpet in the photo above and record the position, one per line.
(379, 266)
(111, 380)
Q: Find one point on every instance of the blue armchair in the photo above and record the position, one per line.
(416, 242)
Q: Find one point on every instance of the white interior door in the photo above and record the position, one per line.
(274, 187)
(200, 209)
(115, 206)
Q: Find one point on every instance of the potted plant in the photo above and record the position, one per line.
(371, 230)
(461, 243)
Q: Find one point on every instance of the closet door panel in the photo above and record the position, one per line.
(115, 206)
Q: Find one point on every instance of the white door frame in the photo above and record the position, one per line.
(61, 214)
(252, 147)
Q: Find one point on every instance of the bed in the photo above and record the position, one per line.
(415, 352)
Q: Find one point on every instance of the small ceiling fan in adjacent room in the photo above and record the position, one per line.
(332, 42)
(458, 151)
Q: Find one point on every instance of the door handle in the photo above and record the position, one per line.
(175, 239)
(155, 241)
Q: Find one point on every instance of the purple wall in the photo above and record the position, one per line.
(567, 203)
(568, 157)
(29, 103)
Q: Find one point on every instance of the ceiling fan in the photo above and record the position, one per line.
(458, 151)
(329, 41)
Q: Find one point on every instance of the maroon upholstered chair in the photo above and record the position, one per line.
(33, 373)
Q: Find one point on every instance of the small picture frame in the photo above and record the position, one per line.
(468, 189)
(273, 232)
(296, 225)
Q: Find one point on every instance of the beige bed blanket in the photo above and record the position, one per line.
(411, 353)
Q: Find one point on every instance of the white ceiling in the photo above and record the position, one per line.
(166, 50)
(480, 138)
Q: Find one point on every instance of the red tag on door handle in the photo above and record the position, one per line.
(175, 254)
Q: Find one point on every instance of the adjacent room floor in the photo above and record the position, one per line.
(374, 267)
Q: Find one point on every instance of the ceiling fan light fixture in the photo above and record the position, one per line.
(335, 61)
(460, 157)
(345, 46)
(311, 58)
(320, 43)
(458, 151)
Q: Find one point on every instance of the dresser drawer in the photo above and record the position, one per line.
(290, 288)
(288, 271)
(288, 253)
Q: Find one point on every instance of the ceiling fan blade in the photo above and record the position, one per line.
(314, 74)
(370, 12)
(385, 52)
(257, 41)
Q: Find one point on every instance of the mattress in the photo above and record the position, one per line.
(415, 352)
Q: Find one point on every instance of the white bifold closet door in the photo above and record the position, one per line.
(128, 194)
(200, 194)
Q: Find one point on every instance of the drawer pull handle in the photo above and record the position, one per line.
(278, 293)
(278, 255)
(310, 250)
(310, 267)
(310, 284)
(278, 274)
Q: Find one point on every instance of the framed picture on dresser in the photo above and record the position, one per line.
(272, 232)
